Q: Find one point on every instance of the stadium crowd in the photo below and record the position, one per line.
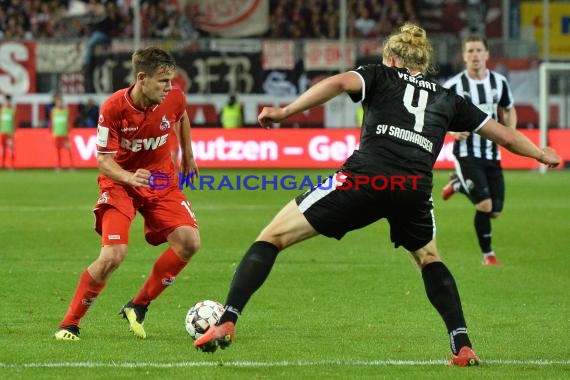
(320, 18)
(32, 19)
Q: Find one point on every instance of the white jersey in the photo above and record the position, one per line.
(488, 94)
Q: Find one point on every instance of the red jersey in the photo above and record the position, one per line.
(139, 137)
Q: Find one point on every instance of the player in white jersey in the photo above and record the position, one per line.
(478, 173)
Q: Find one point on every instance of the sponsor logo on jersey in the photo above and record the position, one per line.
(114, 237)
(150, 143)
(406, 135)
(129, 129)
(103, 198)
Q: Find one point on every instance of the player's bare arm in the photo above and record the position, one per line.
(460, 135)
(187, 163)
(318, 94)
(510, 117)
(518, 143)
(109, 167)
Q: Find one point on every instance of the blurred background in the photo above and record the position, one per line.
(265, 52)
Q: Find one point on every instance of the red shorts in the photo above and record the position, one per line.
(163, 211)
(7, 139)
(61, 142)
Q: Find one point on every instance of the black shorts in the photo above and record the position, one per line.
(482, 179)
(334, 212)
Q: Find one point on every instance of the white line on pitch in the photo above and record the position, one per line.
(88, 208)
(363, 363)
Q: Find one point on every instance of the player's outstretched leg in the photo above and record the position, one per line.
(216, 336)
(135, 314)
(250, 274)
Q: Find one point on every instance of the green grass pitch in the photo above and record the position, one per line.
(350, 309)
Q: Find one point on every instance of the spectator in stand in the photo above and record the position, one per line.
(409, 11)
(178, 27)
(14, 28)
(153, 17)
(331, 19)
(41, 19)
(278, 23)
(316, 27)
(364, 24)
(105, 23)
(88, 115)
(14, 20)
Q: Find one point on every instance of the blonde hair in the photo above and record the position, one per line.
(411, 47)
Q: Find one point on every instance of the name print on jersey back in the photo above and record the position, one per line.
(405, 134)
(419, 82)
(417, 109)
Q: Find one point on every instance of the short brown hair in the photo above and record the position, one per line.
(474, 38)
(150, 59)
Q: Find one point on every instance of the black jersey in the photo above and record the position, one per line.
(488, 94)
(406, 118)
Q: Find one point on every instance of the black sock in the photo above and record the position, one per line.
(444, 296)
(249, 276)
(483, 228)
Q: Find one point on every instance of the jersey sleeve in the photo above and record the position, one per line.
(468, 118)
(506, 100)
(108, 129)
(368, 74)
(180, 102)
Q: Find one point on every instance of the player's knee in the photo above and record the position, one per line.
(485, 205)
(186, 248)
(425, 255)
(114, 255)
(109, 260)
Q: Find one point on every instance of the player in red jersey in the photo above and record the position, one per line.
(137, 174)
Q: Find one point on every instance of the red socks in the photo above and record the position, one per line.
(85, 294)
(164, 271)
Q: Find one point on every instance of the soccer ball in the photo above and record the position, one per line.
(201, 316)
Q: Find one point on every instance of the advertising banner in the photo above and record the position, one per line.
(17, 67)
(278, 54)
(324, 55)
(229, 17)
(254, 148)
(532, 25)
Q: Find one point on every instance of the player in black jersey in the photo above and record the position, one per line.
(478, 173)
(406, 118)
